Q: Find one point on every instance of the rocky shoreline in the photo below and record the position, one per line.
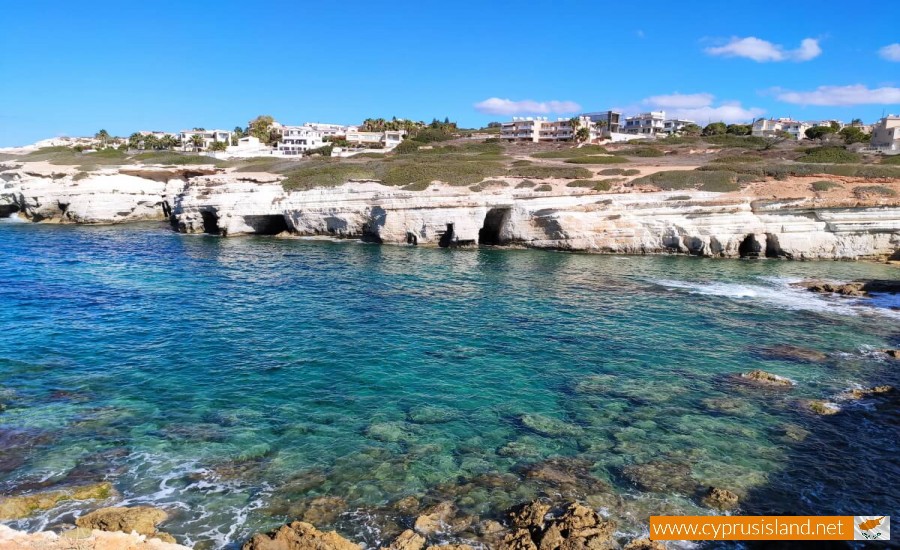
(206, 199)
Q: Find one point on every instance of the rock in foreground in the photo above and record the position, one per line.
(767, 378)
(81, 538)
(139, 519)
(299, 536)
(22, 506)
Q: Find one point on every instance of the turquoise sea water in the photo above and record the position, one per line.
(232, 381)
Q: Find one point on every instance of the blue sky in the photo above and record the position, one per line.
(71, 68)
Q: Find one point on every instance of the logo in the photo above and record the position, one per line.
(871, 527)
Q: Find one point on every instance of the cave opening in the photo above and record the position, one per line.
(491, 233)
(211, 223)
(448, 238)
(270, 224)
(773, 249)
(7, 210)
(749, 247)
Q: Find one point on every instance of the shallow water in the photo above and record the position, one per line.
(234, 380)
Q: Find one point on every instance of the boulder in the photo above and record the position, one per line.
(408, 540)
(721, 499)
(530, 516)
(22, 506)
(518, 540)
(895, 353)
(579, 527)
(299, 535)
(767, 378)
(644, 544)
(860, 393)
(440, 518)
(822, 408)
(140, 519)
(320, 510)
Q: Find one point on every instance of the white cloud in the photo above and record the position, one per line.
(701, 109)
(856, 94)
(761, 51)
(891, 52)
(497, 106)
(680, 101)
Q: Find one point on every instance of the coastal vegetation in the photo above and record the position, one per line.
(829, 154)
(719, 181)
(823, 185)
(571, 152)
(598, 159)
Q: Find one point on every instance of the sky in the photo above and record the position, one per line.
(72, 68)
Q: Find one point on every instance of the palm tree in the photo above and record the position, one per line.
(103, 136)
(134, 140)
(575, 122)
(197, 142)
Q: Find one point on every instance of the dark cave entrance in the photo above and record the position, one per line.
(491, 233)
(211, 223)
(749, 247)
(7, 210)
(271, 224)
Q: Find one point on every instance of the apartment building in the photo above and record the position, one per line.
(388, 139)
(648, 124)
(205, 140)
(612, 120)
(675, 125)
(769, 127)
(329, 130)
(296, 140)
(886, 133)
(541, 129)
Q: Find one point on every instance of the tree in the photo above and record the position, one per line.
(691, 130)
(135, 140)
(819, 132)
(574, 122)
(168, 142)
(583, 134)
(218, 146)
(715, 129)
(852, 134)
(739, 129)
(856, 122)
(150, 142)
(771, 141)
(102, 136)
(261, 128)
(197, 142)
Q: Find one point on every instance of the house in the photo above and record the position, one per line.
(675, 125)
(770, 127)
(329, 130)
(886, 134)
(204, 141)
(648, 124)
(375, 140)
(296, 140)
(611, 120)
(541, 129)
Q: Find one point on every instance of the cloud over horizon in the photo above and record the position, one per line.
(891, 52)
(508, 107)
(763, 51)
(701, 109)
(832, 96)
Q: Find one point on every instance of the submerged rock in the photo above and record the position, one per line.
(566, 477)
(767, 378)
(140, 519)
(822, 408)
(662, 476)
(860, 393)
(430, 414)
(549, 426)
(644, 544)
(793, 353)
(299, 535)
(22, 506)
(853, 288)
(722, 499)
(320, 510)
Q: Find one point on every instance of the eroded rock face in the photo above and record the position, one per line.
(22, 506)
(441, 518)
(299, 536)
(408, 540)
(81, 538)
(861, 393)
(853, 288)
(644, 544)
(822, 408)
(140, 519)
(634, 223)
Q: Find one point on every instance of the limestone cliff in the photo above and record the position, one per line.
(701, 223)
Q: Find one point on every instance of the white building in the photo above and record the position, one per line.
(886, 134)
(769, 127)
(296, 140)
(675, 125)
(205, 141)
(247, 147)
(379, 140)
(541, 129)
(648, 124)
(329, 130)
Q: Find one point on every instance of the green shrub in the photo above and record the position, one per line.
(881, 190)
(407, 146)
(522, 163)
(525, 184)
(418, 186)
(488, 184)
(832, 155)
(178, 159)
(728, 159)
(641, 152)
(745, 142)
(611, 159)
(581, 183)
(631, 172)
(823, 185)
(573, 152)
(450, 171)
(80, 176)
(544, 187)
(325, 173)
(892, 159)
(719, 181)
(679, 198)
(783, 171)
(611, 172)
(543, 172)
